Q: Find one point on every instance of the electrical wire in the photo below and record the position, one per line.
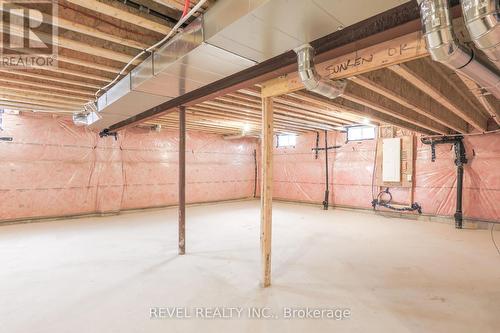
(493, 225)
(186, 8)
(153, 47)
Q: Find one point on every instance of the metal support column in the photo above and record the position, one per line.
(182, 180)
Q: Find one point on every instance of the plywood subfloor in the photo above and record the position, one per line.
(104, 274)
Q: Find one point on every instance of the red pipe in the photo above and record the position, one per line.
(186, 8)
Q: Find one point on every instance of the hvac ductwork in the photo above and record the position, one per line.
(445, 48)
(310, 77)
(230, 37)
(85, 119)
(88, 116)
(482, 19)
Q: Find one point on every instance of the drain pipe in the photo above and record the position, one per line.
(482, 19)
(327, 180)
(460, 160)
(443, 46)
(310, 77)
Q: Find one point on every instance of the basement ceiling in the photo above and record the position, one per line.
(98, 37)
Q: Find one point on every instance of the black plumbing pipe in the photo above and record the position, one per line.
(458, 212)
(460, 160)
(327, 189)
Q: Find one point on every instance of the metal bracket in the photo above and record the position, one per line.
(106, 133)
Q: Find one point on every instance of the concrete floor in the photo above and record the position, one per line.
(104, 274)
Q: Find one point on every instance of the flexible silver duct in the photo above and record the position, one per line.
(444, 47)
(85, 119)
(88, 116)
(482, 18)
(311, 79)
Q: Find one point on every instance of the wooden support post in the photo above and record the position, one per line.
(266, 190)
(182, 180)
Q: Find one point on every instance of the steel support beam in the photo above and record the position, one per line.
(182, 180)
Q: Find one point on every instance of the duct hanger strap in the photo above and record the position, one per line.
(310, 77)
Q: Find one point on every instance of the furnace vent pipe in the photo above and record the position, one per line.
(482, 19)
(443, 46)
(311, 79)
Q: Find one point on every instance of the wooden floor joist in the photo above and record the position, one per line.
(20, 105)
(178, 4)
(7, 88)
(87, 64)
(47, 87)
(40, 102)
(358, 94)
(74, 45)
(422, 75)
(61, 70)
(288, 104)
(121, 12)
(34, 97)
(63, 23)
(344, 105)
(390, 85)
(492, 107)
(304, 116)
(50, 78)
(279, 116)
(229, 117)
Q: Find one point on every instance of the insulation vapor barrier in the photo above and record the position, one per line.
(299, 176)
(52, 168)
(436, 181)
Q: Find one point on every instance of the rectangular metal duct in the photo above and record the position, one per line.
(230, 37)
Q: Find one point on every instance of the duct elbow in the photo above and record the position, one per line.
(440, 38)
(482, 21)
(444, 47)
(87, 116)
(329, 88)
(311, 79)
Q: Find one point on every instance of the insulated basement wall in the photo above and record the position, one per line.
(53, 168)
(300, 177)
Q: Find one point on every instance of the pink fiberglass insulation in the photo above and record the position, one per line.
(53, 168)
(299, 176)
(435, 182)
